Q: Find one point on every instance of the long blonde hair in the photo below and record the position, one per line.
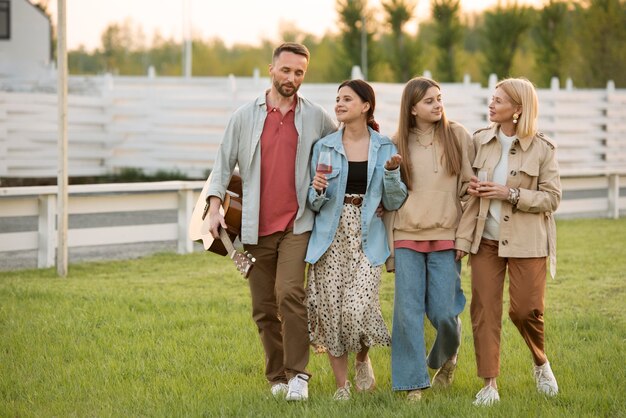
(522, 93)
(413, 92)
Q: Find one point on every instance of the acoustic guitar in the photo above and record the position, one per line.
(231, 210)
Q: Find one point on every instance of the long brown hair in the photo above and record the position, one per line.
(413, 92)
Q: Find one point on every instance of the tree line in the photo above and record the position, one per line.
(582, 40)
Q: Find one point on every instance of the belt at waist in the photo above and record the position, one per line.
(353, 200)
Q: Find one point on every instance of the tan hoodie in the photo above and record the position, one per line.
(433, 207)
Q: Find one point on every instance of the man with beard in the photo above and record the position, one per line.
(270, 139)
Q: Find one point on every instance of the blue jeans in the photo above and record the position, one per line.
(426, 283)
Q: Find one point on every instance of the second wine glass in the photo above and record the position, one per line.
(324, 164)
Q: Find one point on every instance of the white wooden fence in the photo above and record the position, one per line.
(176, 123)
(162, 123)
(40, 201)
(181, 196)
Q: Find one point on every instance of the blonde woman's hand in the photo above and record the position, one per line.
(393, 162)
(491, 190)
(459, 255)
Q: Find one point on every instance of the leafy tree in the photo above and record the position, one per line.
(352, 15)
(601, 38)
(449, 33)
(403, 53)
(502, 32)
(119, 43)
(82, 62)
(166, 56)
(551, 36)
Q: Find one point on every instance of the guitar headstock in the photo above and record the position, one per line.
(244, 262)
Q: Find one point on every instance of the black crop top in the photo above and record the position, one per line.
(357, 177)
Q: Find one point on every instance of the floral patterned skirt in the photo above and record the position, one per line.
(342, 293)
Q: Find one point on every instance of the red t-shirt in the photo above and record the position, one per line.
(425, 246)
(279, 142)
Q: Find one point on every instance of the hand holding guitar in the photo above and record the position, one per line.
(216, 224)
(216, 219)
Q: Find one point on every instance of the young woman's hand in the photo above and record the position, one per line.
(393, 162)
(319, 182)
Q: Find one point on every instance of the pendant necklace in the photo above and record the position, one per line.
(422, 145)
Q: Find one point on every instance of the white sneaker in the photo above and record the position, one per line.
(546, 382)
(298, 388)
(487, 396)
(364, 379)
(342, 393)
(279, 390)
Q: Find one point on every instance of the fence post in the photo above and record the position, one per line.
(46, 237)
(232, 83)
(613, 195)
(185, 207)
(4, 138)
(491, 84)
(554, 84)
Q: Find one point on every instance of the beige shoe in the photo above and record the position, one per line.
(414, 395)
(343, 393)
(444, 376)
(364, 379)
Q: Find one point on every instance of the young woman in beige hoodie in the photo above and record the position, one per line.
(436, 167)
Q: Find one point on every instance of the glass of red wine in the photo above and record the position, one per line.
(324, 165)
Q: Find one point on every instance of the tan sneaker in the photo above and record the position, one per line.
(444, 376)
(364, 379)
(343, 393)
(414, 395)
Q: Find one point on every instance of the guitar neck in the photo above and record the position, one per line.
(228, 244)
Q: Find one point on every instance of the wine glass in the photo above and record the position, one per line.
(324, 165)
(483, 176)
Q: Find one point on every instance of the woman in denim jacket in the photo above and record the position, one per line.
(348, 244)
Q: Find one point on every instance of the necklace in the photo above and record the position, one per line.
(423, 145)
(425, 134)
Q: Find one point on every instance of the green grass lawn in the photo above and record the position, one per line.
(171, 335)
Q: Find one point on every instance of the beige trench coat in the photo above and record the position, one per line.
(527, 229)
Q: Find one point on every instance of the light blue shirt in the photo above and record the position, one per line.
(382, 185)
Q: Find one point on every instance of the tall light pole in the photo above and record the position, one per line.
(62, 195)
(187, 38)
(363, 46)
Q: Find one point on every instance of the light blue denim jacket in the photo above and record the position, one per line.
(382, 185)
(241, 146)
